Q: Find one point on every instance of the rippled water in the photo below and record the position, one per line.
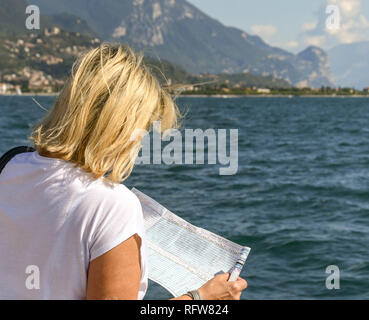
(300, 199)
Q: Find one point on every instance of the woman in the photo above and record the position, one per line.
(68, 228)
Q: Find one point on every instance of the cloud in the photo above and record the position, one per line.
(349, 8)
(317, 41)
(309, 26)
(265, 31)
(353, 27)
(292, 44)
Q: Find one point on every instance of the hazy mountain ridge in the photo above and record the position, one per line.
(317, 61)
(350, 64)
(177, 31)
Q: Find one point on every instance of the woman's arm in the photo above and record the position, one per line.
(184, 297)
(117, 273)
(114, 276)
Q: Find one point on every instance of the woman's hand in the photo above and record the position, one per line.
(219, 288)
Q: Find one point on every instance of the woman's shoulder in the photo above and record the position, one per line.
(108, 196)
(81, 189)
(110, 214)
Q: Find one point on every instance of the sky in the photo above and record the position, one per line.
(294, 24)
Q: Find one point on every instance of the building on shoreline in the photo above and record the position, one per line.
(263, 90)
(8, 88)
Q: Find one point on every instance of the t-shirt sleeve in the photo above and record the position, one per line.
(117, 218)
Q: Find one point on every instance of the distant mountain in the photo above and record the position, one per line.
(40, 60)
(166, 71)
(67, 22)
(12, 17)
(176, 31)
(350, 64)
(316, 60)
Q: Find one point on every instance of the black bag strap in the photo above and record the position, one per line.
(12, 153)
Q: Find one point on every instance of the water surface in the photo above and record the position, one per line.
(300, 198)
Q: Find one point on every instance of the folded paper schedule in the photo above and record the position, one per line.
(183, 257)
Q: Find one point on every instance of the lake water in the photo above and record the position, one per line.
(300, 198)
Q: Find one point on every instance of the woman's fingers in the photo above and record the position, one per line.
(243, 281)
(236, 288)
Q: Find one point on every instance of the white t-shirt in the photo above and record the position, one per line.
(54, 219)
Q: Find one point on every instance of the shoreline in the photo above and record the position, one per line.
(28, 94)
(271, 96)
(221, 96)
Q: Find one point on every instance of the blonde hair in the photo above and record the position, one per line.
(110, 94)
